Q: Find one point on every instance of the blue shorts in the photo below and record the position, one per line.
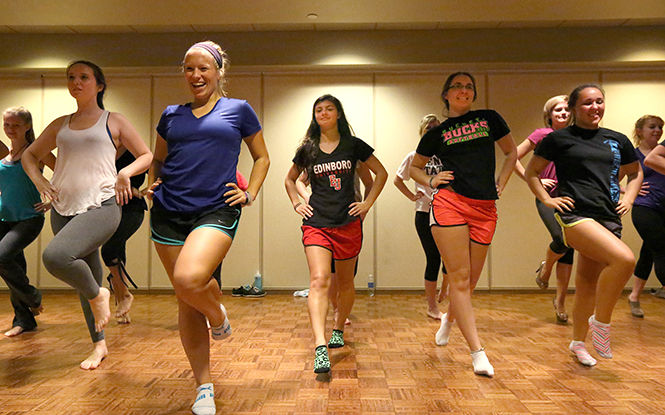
(172, 228)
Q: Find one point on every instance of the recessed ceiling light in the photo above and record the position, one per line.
(312, 16)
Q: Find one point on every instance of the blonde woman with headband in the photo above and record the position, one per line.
(648, 213)
(197, 201)
(556, 116)
(423, 199)
(21, 219)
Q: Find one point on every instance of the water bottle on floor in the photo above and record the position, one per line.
(370, 284)
(258, 280)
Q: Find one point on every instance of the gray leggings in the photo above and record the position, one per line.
(73, 254)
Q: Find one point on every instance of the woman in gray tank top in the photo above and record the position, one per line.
(86, 192)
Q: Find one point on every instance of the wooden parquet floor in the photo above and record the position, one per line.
(389, 366)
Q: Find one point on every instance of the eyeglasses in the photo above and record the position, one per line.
(468, 87)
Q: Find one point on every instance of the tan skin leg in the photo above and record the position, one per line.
(345, 289)
(430, 295)
(563, 272)
(189, 268)
(318, 261)
(586, 282)
(464, 261)
(551, 258)
(598, 244)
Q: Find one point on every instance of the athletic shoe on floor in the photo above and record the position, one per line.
(254, 292)
(321, 360)
(241, 291)
(337, 339)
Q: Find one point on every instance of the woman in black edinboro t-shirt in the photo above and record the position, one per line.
(332, 218)
(463, 216)
(589, 162)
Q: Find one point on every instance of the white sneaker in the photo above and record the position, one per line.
(301, 293)
(481, 365)
(443, 334)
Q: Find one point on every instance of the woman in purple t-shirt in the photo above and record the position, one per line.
(556, 116)
(648, 213)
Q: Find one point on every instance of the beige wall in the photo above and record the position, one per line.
(384, 108)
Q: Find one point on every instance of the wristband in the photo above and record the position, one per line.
(430, 181)
(248, 196)
(296, 205)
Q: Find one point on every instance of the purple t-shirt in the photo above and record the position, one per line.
(549, 172)
(655, 199)
(202, 154)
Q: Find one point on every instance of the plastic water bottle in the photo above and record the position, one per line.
(370, 284)
(258, 280)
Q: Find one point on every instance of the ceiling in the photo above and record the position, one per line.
(202, 16)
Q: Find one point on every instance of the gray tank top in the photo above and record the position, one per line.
(85, 171)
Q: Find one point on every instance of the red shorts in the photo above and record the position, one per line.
(452, 209)
(344, 242)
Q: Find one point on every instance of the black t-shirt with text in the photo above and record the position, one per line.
(465, 145)
(587, 167)
(332, 182)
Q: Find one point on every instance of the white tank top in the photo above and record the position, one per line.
(85, 172)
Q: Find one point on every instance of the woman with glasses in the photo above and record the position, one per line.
(463, 216)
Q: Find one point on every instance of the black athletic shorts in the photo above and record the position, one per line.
(172, 228)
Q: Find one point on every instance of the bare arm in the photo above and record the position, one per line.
(634, 174)
(381, 176)
(656, 159)
(159, 155)
(507, 145)
(523, 149)
(365, 177)
(301, 186)
(128, 137)
(39, 150)
(536, 165)
(305, 210)
(417, 173)
(259, 152)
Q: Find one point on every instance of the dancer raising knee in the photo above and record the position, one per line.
(86, 192)
(463, 216)
(114, 250)
(423, 198)
(332, 228)
(556, 117)
(197, 201)
(589, 162)
(21, 219)
(648, 213)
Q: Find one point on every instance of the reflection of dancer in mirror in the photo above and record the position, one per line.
(197, 201)
(590, 161)
(423, 198)
(21, 219)
(86, 192)
(648, 213)
(362, 174)
(556, 117)
(114, 250)
(463, 216)
(332, 227)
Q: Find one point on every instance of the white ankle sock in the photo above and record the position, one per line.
(223, 331)
(579, 350)
(443, 334)
(600, 335)
(481, 365)
(205, 400)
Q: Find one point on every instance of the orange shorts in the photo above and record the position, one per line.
(344, 241)
(452, 209)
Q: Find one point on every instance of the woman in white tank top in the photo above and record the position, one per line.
(86, 192)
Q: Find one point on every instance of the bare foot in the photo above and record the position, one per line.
(15, 331)
(443, 293)
(98, 354)
(101, 309)
(347, 322)
(37, 310)
(122, 310)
